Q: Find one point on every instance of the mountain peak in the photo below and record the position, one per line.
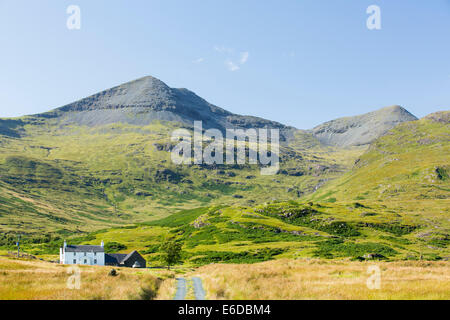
(394, 107)
(361, 129)
(144, 100)
(396, 110)
(143, 92)
(146, 83)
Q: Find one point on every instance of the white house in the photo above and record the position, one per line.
(84, 254)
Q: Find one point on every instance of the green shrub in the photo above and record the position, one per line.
(440, 242)
(338, 248)
(394, 228)
(396, 240)
(265, 254)
(180, 218)
(111, 247)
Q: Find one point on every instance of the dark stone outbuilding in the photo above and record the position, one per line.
(131, 260)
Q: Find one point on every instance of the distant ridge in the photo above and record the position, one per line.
(142, 101)
(362, 129)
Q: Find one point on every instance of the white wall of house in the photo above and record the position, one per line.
(85, 258)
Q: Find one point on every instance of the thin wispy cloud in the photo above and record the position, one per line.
(223, 49)
(244, 57)
(233, 61)
(232, 66)
(199, 60)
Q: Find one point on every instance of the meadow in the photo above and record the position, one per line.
(306, 279)
(40, 280)
(293, 279)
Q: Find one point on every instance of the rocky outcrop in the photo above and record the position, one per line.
(441, 117)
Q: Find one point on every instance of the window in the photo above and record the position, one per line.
(95, 261)
(74, 261)
(85, 261)
(85, 254)
(95, 254)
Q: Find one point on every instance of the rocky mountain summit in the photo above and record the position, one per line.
(362, 129)
(144, 100)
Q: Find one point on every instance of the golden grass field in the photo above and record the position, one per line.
(278, 280)
(38, 280)
(320, 279)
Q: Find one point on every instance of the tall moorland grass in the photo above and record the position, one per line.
(38, 280)
(321, 279)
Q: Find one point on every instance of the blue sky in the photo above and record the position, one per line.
(298, 62)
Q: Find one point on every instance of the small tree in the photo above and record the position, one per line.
(171, 252)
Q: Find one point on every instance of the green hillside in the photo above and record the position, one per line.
(242, 234)
(392, 205)
(69, 178)
(117, 183)
(406, 171)
(374, 185)
(411, 162)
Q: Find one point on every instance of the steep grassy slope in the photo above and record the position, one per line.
(411, 162)
(104, 160)
(68, 178)
(406, 171)
(393, 203)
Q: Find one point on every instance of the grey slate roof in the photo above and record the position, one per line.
(128, 256)
(115, 258)
(118, 258)
(84, 248)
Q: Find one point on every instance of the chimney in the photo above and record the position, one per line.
(65, 244)
(102, 244)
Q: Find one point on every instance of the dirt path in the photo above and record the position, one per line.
(198, 288)
(182, 289)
